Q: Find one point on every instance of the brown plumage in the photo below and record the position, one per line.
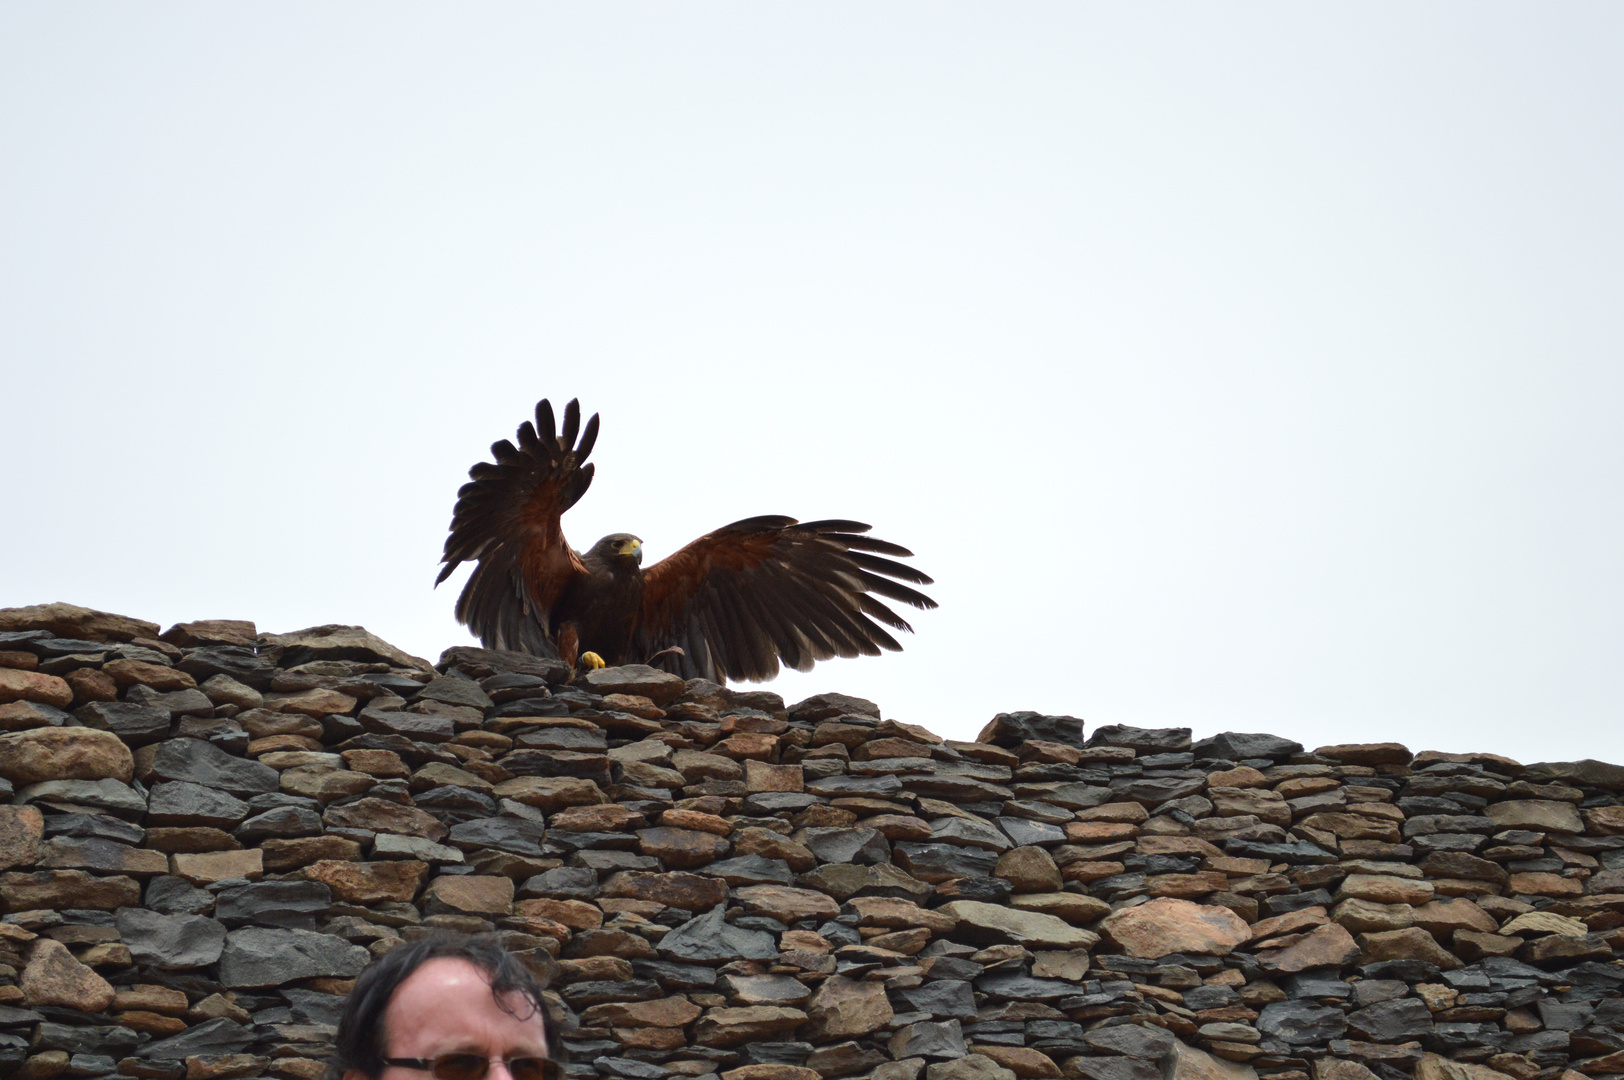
(737, 602)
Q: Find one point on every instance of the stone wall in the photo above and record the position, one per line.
(206, 833)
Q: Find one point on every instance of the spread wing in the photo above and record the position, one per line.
(768, 590)
(508, 518)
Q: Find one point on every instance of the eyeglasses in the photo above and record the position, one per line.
(474, 1067)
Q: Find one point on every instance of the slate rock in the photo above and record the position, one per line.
(171, 942)
(709, 938)
(1235, 746)
(177, 896)
(197, 761)
(108, 795)
(1017, 986)
(563, 883)
(455, 690)
(236, 662)
(1144, 740)
(94, 826)
(1301, 1023)
(281, 821)
(1010, 730)
(514, 835)
(1132, 1040)
(211, 1037)
(828, 706)
(936, 862)
(848, 845)
(929, 1039)
(660, 687)
(258, 956)
(136, 724)
(1394, 1021)
(92, 1039)
(180, 802)
(292, 904)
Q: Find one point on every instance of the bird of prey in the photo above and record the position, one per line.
(734, 604)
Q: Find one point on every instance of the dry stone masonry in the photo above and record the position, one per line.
(205, 833)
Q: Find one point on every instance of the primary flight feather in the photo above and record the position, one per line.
(734, 604)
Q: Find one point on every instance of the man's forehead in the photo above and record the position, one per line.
(445, 978)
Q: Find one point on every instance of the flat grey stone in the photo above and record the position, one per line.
(170, 942)
(182, 803)
(709, 938)
(258, 956)
(198, 761)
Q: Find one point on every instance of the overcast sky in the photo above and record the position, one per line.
(1247, 367)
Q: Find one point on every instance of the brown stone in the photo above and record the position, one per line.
(91, 684)
(1352, 826)
(988, 924)
(208, 867)
(1075, 908)
(575, 914)
(671, 1012)
(906, 942)
(16, 685)
(1385, 889)
(324, 783)
(314, 703)
(155, 1024)
(760, 776)
(54, 977)
(1292, 922)
(1159, 927)
(1433, 1067)
(1029, 870)
(550, 793)
(1443, 918)
(57, 890)
(471, 894)
(1390, 753)
(369, 882)
(157, 999)
(897, 914)
(1365, 916)
(1539, 815)
(691, 892)
(845, 1009)
(128, 673)
(1071, 964)
(697, 821)
(609, 817)
(1024, 1062)
(384, 764)
(769, 1071)
(73, 621)
(21, 829)
(1560, 950)
(1411, 944)
(1540, 884)
(1187, 886)
(896, 827)
(681, 849)
(282, 855)
(754, 840)
(1100, 832)
(1267, 806)
(1327, 946)
(380, 815)
(787, 905)
(67, 753)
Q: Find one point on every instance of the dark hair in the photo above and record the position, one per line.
(361, 1034)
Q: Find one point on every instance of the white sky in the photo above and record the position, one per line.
(1235, 366)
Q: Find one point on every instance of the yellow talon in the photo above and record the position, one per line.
(592, 661)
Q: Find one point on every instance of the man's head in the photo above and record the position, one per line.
(442, 995)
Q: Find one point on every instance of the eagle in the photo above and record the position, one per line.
(734, 604)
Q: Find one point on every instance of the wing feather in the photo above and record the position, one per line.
(508, 520)
(769, 591)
